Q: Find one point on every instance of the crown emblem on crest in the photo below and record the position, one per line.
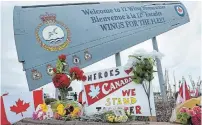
(87, 55)
(36, 75)
(48, 18)
(49, 66)
(34, 70)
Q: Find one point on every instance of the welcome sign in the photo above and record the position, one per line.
(114, 88)
(82, 30)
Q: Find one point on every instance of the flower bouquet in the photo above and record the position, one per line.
(42, 112)
(62, 78)
(190, 116)
(142, 64)
(183, 116)
(196, 117)
(116, 116)
(67, 110)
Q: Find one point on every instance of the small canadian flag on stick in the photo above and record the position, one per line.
(16, 107)
(183, 94)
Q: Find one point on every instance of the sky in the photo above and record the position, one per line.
(181, 48)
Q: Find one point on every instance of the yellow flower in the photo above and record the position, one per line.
(116, 119)
(73, 115)
(76, 110)
(44, 107)
(60, 110)
(110, 118)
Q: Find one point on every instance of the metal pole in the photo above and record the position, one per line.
(159, 69)
(118, 59)
(56, 93)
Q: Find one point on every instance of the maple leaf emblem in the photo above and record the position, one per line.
(20, 107)
(95, 90)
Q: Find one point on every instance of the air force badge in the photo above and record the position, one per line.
(51, 34)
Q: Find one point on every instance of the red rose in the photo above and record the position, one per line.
(77, 72)
(74, 69)
(84, 78)
(61, 81)
(54, 70)
(62, 57)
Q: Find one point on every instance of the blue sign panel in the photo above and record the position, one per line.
(86, 33)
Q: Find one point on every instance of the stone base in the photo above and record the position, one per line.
(152, 118)
(29, 121)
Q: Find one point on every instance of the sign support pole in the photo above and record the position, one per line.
(159, 69)
(56, 93)
(118, 59)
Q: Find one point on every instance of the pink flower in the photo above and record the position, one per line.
(41, 117)
(125, 108)
(34, 116)
(196, 120)
(183, 110)
(197, 109)
(191, 112)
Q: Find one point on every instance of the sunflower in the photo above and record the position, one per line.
(60, 110)
(44, 107)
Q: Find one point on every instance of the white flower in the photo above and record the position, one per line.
(130, 63)
(145, 54)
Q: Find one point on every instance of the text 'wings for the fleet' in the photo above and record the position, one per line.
(87, 33)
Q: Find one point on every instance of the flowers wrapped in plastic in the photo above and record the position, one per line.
(142, 64)
(63, 76)
(116, 116)
(67, 110)
(193, 115)
(139, 55)
(42, 112)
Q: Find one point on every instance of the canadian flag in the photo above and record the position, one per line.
(183, 94)
(197, 93)
(16, 107)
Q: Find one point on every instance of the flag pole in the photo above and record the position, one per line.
(174, 82)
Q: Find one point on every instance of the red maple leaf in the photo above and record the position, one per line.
(20, 107)
(129, 70)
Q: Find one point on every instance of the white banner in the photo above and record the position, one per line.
(113, 88)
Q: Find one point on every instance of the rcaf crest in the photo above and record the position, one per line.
(49, 70)
(51, 34)
(36, 75)
(179, 10)
(87, 55)
(76, 60)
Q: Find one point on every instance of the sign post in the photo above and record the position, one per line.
(159, 69)
(118, 59)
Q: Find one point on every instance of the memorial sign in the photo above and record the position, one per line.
(82, 31)
(114, 88)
